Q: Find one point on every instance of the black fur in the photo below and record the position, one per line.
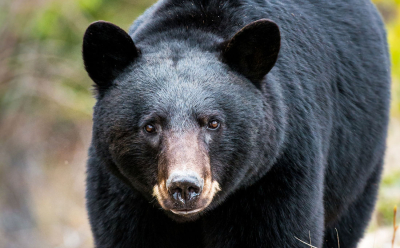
(254, 50)
(107, 50)
(299, 152)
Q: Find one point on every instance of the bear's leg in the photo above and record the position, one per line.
(352, 224)
(282, 210)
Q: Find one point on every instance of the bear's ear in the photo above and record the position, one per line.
(254, 49)
(107, 50)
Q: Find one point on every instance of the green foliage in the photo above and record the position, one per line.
(391, 180)
(389, 196)
(385, 210)
(390, 10)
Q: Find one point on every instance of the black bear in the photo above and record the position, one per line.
(237, 123)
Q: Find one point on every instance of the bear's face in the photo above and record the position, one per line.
(193, 118)
(184, 129)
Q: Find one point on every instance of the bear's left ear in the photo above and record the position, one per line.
(107, 50)
(254, 49)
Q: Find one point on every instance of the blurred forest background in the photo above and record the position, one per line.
(46, 105)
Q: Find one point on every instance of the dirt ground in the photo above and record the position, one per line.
(381, 238)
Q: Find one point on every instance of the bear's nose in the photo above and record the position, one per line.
(184, 187)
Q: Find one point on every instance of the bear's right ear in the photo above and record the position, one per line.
(106, 51)
(253, 50)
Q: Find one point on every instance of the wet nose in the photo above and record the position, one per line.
(184, 187)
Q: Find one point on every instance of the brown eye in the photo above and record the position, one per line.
(213, 125)
(150, 128)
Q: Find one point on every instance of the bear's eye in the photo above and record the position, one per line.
(150, 128)
(213, 124)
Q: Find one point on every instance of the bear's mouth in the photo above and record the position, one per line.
(186, 212)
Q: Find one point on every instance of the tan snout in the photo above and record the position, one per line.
(185, 185)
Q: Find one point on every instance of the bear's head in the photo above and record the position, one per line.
(185, 120)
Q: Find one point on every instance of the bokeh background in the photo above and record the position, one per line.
(46, 102)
